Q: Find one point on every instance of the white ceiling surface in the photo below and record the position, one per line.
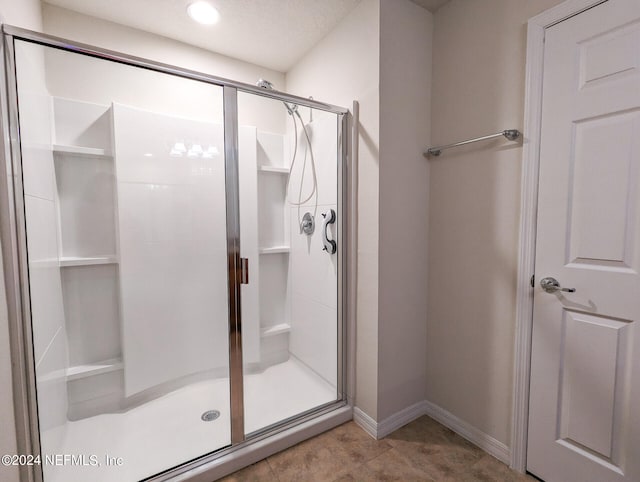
(270, 33)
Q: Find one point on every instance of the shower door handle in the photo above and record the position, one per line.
(244, 271)
(330, 246)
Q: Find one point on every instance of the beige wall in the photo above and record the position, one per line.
(342, 68)
(405, 102)
(478, 88)
(26, 14)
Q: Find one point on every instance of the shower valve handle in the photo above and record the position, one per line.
(330, 246)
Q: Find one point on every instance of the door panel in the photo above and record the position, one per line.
(595, 346)
(603, 197)
(125, 195)
(585, 373)
(289, 163)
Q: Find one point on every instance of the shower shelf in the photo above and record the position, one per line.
(80, 151)
(275, 250)
(97, 368)
(69, 261)
(276, 330)
(274, 169)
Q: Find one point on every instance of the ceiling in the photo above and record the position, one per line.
(271, 33)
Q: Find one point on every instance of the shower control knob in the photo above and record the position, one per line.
(308, 225)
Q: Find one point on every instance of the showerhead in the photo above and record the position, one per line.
(265, 84)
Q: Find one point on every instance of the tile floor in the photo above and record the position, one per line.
(423, 450)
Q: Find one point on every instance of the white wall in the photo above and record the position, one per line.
(82, 28)
(342, 68)
(405, 103)
(173, 254)
(314, 272)
(478, 88)
(27, 14)
(22, 13)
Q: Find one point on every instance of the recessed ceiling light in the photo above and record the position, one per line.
(203, 12)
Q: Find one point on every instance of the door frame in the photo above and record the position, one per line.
(536, 27)
(243, 448)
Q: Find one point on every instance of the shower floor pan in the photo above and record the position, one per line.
(170, 430)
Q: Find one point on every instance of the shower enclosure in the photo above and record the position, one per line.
(174, 252)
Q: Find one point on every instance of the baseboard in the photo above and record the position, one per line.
(400, 419)
(365, 422)
(390, 424)
(472, 434)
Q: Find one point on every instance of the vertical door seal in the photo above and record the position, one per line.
(230, 100)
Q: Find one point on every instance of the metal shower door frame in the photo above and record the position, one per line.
(14, 246)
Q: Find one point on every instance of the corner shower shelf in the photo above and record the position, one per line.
(274, 169)
(80, 151)
(88, 261)
(275, 250)
(82, 371)
(275, 330)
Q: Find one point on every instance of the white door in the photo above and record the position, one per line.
(584, 421)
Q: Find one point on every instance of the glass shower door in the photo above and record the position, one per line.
(290, 158)
(125, 214)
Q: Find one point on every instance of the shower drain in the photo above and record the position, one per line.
(210, 415)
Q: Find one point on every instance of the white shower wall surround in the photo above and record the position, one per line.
(47, 312)
(313, 272)
(166, 200)
(148, 197)
(298, 280)
(144, 205)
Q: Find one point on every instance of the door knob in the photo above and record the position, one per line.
(551, 285)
